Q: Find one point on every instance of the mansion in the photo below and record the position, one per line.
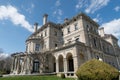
(63, 48)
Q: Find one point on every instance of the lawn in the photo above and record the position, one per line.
(34, 78)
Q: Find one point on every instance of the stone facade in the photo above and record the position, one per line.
(62, 48)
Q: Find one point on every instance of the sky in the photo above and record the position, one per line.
(17, 18)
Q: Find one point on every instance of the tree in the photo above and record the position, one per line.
(5, 62)
(97, 70)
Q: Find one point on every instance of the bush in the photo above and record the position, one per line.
(3, 72)
(0, 75)
(97, 70)
(62, 75)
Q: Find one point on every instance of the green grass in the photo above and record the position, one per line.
(34, 78)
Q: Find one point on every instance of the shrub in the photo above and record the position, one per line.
(0, 75)
(62, 75)
(97, 70)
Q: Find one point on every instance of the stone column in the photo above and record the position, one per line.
(13, 62)
(75, 60)
(28, 66)
(24, 67)
(18, 65)
(65, 65)
(57, 66)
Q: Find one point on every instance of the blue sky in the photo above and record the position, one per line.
(18, 16)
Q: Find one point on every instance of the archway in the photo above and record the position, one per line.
(36, 65)
(70, 62)
(61, 68)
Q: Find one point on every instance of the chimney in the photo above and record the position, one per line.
(101, 32)
(35, 27)
(45, 19)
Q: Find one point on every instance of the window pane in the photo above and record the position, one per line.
(37, 47)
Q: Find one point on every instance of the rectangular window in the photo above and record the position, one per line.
(45, 33)
(37, 47)
(76, 27)
(62, 33)
(68, 30)
(41, 35)
(55, 45)
(55, 33)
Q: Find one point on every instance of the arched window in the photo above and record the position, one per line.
(94, 40)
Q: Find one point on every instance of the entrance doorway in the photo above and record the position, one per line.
(36, 65)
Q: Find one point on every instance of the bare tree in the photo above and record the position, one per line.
(5, 62)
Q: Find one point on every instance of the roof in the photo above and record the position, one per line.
(48, 24)
(110, 35)
(81, 15)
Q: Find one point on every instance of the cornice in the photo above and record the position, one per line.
(79, 16)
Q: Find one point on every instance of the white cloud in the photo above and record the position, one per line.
(112, 27)
(3, 56)
(91, 5)
(117, 8)
(57, 3)
(32, 5)
(30, 8)
(97, 18)
(96, 5)
(57, 13)
(81, 3)
(11, 13)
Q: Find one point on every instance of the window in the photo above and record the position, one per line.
(95, 42)
(108, 49)
(68, 29)
(76, 27)
(62, 33)
(88, 28)
(45, 33)
(37, 47)
(41, 35)
(77, 39)
(55, 33)
(55, 45)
